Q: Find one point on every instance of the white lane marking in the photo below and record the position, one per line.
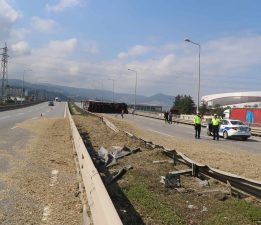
(54, 177)
(64, 115)
(13, 127)
(34, 118)
(46, 210)
(4, 117)
(160, 132)
(46, 213)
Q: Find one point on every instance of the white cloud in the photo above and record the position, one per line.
(64, 4)
(174, 71)
(21, 48)
(56, 49)
(7, 12)
(63, 47)
(43, 25)
(73, 69)
(19, 34)
(91, 47)
(8, 16)
(233, 53)
(134, 51)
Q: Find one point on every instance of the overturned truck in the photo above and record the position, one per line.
(105, 107)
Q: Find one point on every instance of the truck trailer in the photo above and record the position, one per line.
(251, 116)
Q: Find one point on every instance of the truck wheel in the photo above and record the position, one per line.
(225, 134)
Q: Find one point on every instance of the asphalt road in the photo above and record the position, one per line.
(253, 144)
(13, 137)
(187, 132)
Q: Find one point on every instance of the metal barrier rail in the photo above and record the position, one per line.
(17, 106)
(248, 186)
(102, 209)
(256, 131)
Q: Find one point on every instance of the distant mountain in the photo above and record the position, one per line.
(160, 99)
(78, 94)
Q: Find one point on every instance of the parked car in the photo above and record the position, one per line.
(231, 128)
(50, 103)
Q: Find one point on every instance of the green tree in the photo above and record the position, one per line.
(184, 104)
(203, 109)
(218, 110)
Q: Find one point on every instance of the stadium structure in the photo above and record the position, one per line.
(234, 99)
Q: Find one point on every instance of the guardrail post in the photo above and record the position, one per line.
(194, 170)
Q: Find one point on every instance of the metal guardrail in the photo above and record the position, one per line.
(17, 106)
(237, 183)
(243, 184)
(256, 131)
(102, 209)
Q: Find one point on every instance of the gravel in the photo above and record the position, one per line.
(41, 184)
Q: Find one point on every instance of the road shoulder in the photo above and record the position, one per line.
(42, 186)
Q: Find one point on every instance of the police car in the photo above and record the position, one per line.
(234, 128)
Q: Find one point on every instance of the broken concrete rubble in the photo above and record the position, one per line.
(118, 174)
(109, 158)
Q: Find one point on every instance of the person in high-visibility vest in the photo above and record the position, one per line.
(197, 123)
(215, 127)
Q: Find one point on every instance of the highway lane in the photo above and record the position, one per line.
(187, 132)
(9, 118)
(12, 137)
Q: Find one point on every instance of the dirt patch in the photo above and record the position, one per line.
(139, 196)
(41, 187)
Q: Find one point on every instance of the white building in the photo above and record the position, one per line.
(234, 99)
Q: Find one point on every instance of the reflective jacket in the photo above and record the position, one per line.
(215, 121)
(197, 119)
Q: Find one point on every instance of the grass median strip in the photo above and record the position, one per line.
(234, 212)
(150, 205)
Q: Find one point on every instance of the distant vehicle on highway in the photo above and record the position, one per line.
(57, 99)
(232, 128)
(50, 103)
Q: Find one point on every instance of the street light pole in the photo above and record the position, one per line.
(112, 90)
(135, 87)
(23, 83)
(102, 91)
(187, 40)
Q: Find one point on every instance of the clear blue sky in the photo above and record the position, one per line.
(84, 43)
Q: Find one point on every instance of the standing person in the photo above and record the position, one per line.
(170, 116)
(122, 112)
(166, 114)
(197, 123)
(215, 127)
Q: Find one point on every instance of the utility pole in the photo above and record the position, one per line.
(4, 62)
